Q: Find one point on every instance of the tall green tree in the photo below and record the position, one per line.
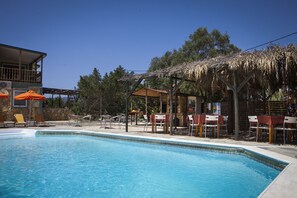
(203, 44)
(90, 89)
(99, 95)
(200, 45)
(114, 91)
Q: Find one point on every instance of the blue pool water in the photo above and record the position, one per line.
(81, 166)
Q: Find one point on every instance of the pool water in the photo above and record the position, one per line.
(81, 166)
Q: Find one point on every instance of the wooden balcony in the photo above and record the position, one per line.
(23, 75)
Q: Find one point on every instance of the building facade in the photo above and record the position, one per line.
(20, 70)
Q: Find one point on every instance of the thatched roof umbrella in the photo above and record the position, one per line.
(271, 68)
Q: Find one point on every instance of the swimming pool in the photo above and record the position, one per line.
(84, 166)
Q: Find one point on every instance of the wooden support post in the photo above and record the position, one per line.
(230, 126)
(175, 105)
(128, 95)
(171, 106)
(236, 108)
(160, 101)
(60, 100)
(235, 90)
(146, 102)
(20, 65)
(127, 103)
(41, 70)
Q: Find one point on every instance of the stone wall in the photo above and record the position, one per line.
(52, 114)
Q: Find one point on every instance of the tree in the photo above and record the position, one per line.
(99, 95)
(201, 45)
(90, 89)
(114, 91)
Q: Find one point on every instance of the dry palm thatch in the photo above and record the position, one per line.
(266, 61)
(275, 65)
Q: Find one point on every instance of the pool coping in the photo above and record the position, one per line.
(284, 185)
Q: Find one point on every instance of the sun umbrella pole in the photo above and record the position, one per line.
(30, 106)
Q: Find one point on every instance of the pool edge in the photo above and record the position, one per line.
(284, 185)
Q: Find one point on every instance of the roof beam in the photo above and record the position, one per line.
(134, 86)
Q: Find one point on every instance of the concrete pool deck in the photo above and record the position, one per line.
(283, 186)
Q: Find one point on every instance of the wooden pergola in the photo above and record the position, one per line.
(59, 92)
(272, 68)
(149, 92)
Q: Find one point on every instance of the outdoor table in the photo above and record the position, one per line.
(165, 121)
(135, 113)
(200, 120)
(271, 122)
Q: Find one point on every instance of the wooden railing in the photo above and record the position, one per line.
(23, 75)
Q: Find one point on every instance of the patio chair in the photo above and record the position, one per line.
(192, 124)
(120, 118)
(262, 127)
(87, 117)
(224, 125)
(253, 125)
(145, 119)
(211, 121)
(290, 124)
(159, 121)
(104, 119)
(20, 121)
(75, 120)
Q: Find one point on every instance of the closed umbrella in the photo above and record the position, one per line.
(29, 95)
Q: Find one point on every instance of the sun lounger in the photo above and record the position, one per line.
(20, 121)
(5, 123)
(75, 120)
(88, 117)
(40, 122)
(2, 121)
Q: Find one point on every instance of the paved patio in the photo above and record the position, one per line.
(288, 149)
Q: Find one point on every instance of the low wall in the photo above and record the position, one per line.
(52, 114)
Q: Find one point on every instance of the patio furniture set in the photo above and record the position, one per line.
(271, 125)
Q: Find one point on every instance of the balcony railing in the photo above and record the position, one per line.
(23, 75)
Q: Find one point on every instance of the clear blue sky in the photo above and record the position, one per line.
(78, 35)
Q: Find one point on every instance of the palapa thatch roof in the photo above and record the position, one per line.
(269, 69)
(276, 63)
(149, 92)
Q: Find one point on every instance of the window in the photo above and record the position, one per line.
(191, 105)
(19, 103)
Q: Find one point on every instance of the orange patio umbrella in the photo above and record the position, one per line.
(29, 95)
(3, 95)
